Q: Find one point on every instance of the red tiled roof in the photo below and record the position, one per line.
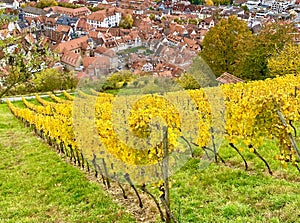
(71, 45)
(82, 24)
(93, 34)
(227, 78)
(63, 28)
(96, 62)
(102, 14)
(101, 50)
(69, 11)
(70, 58)
(86, 61)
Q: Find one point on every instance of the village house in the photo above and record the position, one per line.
(11, 4)
(83, 27)
(105, 18)
(55, 37)
(207, 23)
(77, 12)
(33, 12)
(35, 23)
(147, 67)
(98, 66)
(164, 69)
(71, 60)
(50, 22)
(74, 45)
(102, 51)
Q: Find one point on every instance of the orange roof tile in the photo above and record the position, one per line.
(227, 78)
(86, 61)
(70, 58)
(63, 28)
(71, 45)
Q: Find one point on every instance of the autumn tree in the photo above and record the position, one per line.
(287, 61)
(209, 2)
(152, 16)
(221, 2)
(126, 22)
(187, 81)
(192, 21)
(267, 43)
(224, 45)
(46, 3)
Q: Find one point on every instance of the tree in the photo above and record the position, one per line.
(245, 8)
(201, 73)
(118, 79)
(52, 79)
(126, 22)
(46, 3)
(209, 2)
(152, 16)
(221, 2)
(70, 5)
(21, 60)
(187, 81)
(192, 21)
(7, 18)
(267, 43)
(224, 45)
(287, 61)
(178, 20)
(196, 2)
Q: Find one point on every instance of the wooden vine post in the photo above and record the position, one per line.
(291, 138)
(166, 174)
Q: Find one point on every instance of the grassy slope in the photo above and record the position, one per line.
(220, 193)
(37, 186)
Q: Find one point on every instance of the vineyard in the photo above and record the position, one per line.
(142, 140)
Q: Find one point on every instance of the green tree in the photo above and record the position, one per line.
(285, 62)
(224, 45)
(126, 22)
(46, 3)
(52, 79)
(245, 8)
(267, 43)
(196, 2)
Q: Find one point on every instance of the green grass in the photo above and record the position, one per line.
(37, 186)
(136, 49)
(220, 193)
